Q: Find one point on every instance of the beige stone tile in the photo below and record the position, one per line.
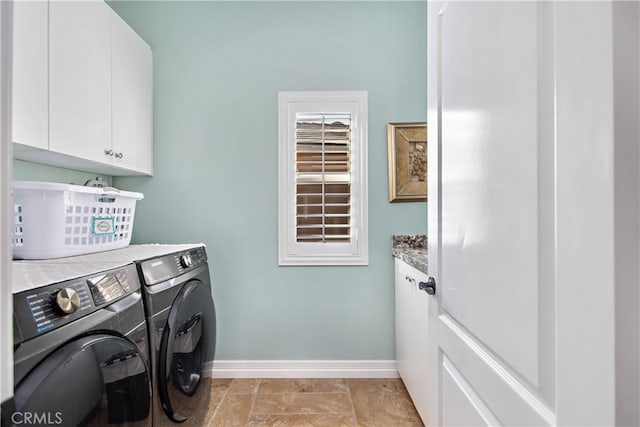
(322, 385)
(220, 382)
(244, 385)
(382, 403)
(375, 385)
(201, 406)
(217, 391)
(302, 403)
(302, 420)
(219, 388)
(233, 411)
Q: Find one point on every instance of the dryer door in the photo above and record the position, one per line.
(188, 341)
(96, 380)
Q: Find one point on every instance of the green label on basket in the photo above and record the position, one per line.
(103, 225)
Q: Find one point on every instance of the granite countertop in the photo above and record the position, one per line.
(411, 249)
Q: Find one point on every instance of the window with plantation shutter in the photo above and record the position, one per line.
(322, 178)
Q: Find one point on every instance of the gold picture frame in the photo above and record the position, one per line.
(407, 144)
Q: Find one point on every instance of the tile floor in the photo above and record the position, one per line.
(310, 402)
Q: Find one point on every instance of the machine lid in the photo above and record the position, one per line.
(188, 342)
(98, 379)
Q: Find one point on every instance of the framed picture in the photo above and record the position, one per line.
(407, 161)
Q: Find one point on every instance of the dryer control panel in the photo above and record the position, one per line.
(110, 286)
(40, 310)
(167, 267)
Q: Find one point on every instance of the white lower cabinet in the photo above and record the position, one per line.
(411, 333)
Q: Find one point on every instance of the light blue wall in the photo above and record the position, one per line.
(28, 171)
(217, 69)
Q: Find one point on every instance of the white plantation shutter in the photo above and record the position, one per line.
(322, 182)
(323, 177)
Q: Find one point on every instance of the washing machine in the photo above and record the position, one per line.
(80, 346)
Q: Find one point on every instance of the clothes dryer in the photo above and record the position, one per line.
(182, 324)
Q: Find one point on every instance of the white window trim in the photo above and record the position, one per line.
(289, 251)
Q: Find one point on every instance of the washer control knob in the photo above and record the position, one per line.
(186, 261)
(66, 300)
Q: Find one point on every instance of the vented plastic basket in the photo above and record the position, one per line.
(54, 220)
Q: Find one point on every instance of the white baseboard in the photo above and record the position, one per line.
(301, 369)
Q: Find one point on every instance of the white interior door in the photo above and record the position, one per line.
(520, 146)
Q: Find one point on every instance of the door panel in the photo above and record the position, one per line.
(489, 178)
(461, 405)
(487, 339)
(511, 400)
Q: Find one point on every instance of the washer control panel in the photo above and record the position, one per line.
(40, 310)
(167, 267)
(43, 306)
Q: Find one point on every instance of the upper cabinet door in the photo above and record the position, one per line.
(132, 98)
(30, 81)
(80, 79)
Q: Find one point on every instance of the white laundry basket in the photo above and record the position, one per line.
(54, 220)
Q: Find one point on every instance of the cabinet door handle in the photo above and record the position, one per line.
(108, 152)
(119, 155)
(429, 286)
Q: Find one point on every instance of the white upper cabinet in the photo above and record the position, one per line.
(131, 98)
(30, 82)
(80, 79)
(82, 89)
